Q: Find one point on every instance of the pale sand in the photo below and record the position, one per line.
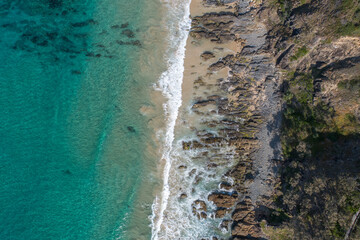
(196, 67)
(198, 8)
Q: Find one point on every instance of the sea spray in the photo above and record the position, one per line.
(197, 180)
(183, 209)
(170, 84)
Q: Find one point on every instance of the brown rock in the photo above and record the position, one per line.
(207, 55)
(221, 212)
(201, 204)
(212, 140)
(196, 144)
(223, 200)
(217, 66)
(182, 167)
(225, 185)
(203, 104)
(192, 172)
(246, 230)
(199, 209)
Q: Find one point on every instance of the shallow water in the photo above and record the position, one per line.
(77, 157)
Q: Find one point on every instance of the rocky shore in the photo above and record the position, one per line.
(234, 86)
(271, 95)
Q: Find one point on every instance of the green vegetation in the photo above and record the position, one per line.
(351, 203)
(284, 7)
(277, 217)
(338, 231)
(350, 14)
(299, 53)
(348, 4)
(345, 19)
(353, 85)
(313, 122)
(349, 29)
(312, 133)
(302, 119)
(277, 233)
(315, 195)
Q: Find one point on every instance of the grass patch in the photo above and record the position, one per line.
(299, 53)
(352, 85)
(284, 7)
(349, 29)
(350, 12)
(348, 4)
(347, 124)
(283, 233)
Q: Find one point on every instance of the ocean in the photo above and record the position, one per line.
(86, 115)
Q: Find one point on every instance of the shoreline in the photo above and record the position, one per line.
(221, 129)
(220, 155)
(170, 85)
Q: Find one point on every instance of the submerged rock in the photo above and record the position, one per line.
(183, 196)
(134, 43)
(124, 25)
(128, 33)
(131, 129)
(182, 167)
(84, 23)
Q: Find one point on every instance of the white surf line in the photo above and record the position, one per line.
(170, 83)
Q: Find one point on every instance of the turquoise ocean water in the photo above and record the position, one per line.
(74, 161)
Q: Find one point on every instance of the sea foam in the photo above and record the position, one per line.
(170, 84)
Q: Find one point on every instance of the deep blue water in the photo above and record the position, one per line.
(71, 136)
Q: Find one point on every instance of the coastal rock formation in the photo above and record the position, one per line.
(240, 115)
(283, 111)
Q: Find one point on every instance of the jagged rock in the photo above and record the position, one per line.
(203, 104)
(225, 224)
(225, 185)
(199, 209)
(192, 172)
(212, 140)
(217, 66)
(221, 212)
(207, 55)
(201, 204)
(241, 231)
(196, 144)
(223, 200)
